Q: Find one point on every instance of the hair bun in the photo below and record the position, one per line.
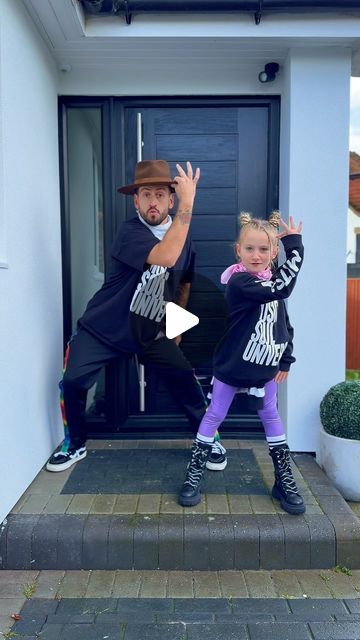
(274, 219)
(244, 218)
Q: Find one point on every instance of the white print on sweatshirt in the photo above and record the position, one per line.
(148, 299)
(287, 272)
(262, 348)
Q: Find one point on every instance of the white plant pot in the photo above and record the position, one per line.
(340, 459)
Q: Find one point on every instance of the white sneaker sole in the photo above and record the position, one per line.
(62, 467)
(212, 466)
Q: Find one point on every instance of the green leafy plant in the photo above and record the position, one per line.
(340, 410)
(341, 569)
(29, 589)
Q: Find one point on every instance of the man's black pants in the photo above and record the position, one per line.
(86, 356)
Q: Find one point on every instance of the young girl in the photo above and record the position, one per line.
(255, 353)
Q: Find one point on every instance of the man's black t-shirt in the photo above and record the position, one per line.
(128, 312)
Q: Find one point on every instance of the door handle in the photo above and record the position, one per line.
(139, 140)
(140, 367)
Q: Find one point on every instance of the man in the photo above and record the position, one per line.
(152, 262)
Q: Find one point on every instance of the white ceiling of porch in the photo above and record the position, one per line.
(77, 41)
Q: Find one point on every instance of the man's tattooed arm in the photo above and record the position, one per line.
(184, 216)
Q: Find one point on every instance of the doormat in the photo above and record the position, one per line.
(135, 471)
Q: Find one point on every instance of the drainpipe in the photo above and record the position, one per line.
(129, 8)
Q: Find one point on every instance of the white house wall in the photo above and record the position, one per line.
(314, 187)
(194, 79)
(31, 309)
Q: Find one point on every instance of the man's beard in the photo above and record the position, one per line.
(152, 223)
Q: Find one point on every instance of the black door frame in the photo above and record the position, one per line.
(112, 112)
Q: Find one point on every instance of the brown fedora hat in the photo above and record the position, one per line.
(149, 173)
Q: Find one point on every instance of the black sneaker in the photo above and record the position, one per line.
(217, 460)
(61, 460)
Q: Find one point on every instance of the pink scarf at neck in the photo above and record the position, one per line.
(239, 267)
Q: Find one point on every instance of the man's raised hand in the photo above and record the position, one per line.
(185, 183)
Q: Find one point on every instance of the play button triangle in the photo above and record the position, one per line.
(178, 320)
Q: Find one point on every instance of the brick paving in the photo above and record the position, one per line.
(224, 604)
(186, 618)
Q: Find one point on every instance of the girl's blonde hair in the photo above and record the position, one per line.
(270, 226)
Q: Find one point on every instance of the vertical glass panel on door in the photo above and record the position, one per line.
(84, 152)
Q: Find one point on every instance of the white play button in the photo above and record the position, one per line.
(178, 320)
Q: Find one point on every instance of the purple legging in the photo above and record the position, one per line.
(222, 397)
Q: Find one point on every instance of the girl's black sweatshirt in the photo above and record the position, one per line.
(257, 342)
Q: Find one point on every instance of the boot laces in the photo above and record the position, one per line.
(196, 466)
(284, 471)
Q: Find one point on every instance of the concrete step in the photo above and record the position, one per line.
(110, 511)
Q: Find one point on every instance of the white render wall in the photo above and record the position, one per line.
(220, 79)
(30, 280)
(314, 184)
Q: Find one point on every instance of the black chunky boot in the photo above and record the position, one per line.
(285, 488)
(189, 495)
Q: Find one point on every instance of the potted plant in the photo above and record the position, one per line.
(340, 438)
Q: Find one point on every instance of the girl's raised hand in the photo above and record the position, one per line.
(289, 228)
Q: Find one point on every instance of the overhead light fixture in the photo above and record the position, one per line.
(269, 73)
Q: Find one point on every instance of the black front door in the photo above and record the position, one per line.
(235, 144)
(232, 147)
